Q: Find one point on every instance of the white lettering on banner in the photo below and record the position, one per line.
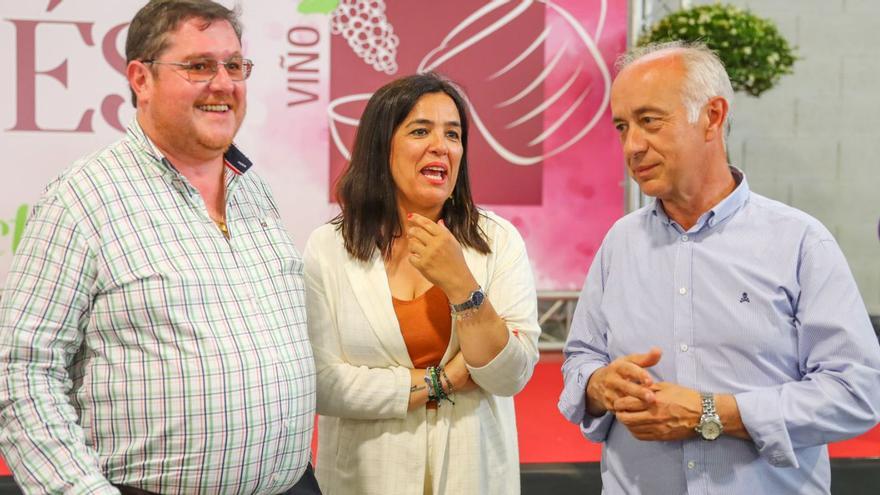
(297, 63)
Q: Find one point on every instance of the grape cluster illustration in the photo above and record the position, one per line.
(365, 26)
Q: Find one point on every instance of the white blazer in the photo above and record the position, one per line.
(367, 441)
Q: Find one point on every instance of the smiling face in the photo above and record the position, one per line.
(426, 151)
(664, 152)
(196, 120)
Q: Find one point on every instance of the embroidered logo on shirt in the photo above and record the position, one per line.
(744, 298)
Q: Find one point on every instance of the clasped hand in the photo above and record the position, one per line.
(650, 411)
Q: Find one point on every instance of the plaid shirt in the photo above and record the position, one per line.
(139, 346)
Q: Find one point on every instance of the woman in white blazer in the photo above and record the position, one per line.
(408, 228)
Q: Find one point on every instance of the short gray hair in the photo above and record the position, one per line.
(706, 77)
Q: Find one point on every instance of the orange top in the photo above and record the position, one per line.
(426, 325)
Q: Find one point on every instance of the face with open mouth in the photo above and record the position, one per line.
(426, 152)
(195, 119)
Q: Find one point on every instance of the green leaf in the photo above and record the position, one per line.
(317, 6)
(751, 48)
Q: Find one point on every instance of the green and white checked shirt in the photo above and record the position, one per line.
(139, 346)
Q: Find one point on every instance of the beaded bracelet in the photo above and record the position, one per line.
(438, 387)
(436, 393)
(465, 315)
(448, 385)
(429, 381)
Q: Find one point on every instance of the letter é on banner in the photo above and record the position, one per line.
(26, 75)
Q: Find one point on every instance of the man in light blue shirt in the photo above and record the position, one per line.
(720, 341)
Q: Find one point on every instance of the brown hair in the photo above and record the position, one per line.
(148, 32)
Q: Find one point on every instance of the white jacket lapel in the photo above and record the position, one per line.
(370, 286)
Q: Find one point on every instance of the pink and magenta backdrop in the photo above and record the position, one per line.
(536, 73)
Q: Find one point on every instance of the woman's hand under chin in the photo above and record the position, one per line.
(436, 253)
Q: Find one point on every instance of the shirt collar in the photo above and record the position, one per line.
(137, 135)
(720, 212)
(235, 161)
(733, 202)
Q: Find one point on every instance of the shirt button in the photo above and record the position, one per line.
(692, 464)
(684, 238)
(683, 291)
(684, 347)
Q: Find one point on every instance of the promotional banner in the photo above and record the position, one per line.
(536, 75)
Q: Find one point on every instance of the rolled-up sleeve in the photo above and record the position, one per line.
(839, 357)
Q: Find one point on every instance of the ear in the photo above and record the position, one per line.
(140, 78)
(716, 112)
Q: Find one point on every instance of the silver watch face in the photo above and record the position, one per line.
(710, 429)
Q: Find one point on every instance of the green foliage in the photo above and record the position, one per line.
(317, 6)
(755, 54)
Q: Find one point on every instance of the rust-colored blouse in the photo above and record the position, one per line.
(426, 326)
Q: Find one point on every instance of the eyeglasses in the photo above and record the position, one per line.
(205, 69)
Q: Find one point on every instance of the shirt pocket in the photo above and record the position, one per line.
(284, 254)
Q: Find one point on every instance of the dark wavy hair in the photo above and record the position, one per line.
(366, 191)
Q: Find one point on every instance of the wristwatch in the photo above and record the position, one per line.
(474, 301)
(710, 426)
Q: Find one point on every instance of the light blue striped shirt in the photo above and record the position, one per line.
(755, 300)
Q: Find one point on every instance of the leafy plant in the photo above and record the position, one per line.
(755, 54)
(317, 6)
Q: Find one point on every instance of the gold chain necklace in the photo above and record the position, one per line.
(221, 224)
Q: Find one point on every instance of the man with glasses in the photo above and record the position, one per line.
(152, 328)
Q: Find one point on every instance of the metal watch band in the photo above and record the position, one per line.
(710, 426)
(708, 404)
(474, 300)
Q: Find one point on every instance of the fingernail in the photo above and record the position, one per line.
(441, 222)
(409, 215)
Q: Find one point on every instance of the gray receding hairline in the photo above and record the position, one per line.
(705, 76)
